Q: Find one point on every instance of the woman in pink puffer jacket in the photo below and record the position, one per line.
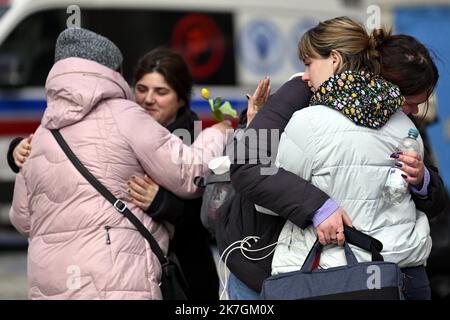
(80, 247)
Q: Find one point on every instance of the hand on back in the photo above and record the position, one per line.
(22, 151)
(331, 230)
(142, 192)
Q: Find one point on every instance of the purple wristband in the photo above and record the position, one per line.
(324, 212)
(423, 192)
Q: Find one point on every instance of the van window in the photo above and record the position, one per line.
(205, 40)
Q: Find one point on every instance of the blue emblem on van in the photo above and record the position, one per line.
(261, 47)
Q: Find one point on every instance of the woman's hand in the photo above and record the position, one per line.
(411, 164)
(331, 230)
(258, 99)
(142, 192)
(22, 151)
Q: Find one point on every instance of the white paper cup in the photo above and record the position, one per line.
(220, 165)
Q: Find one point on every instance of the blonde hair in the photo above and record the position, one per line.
(346, 36)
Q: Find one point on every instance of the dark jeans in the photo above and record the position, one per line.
(237, 290)
(416, 286)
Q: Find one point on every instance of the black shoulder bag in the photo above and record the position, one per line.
(173, 283)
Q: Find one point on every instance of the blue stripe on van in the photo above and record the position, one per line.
(37, 106)
(13, 106)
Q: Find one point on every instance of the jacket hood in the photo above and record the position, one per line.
(366, 99)
(75, 86)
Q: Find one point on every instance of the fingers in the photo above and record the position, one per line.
(264, 86)
(340, 237)
(136, 195)
(23, 152)
(323, 232)
(25, 146)
(148, 180)
(266, 96)
(410, 161)
(331, 230)
(409, 154)
(261, 93)
(321, 237)
(415, 181)
(19, 161)
(142, 191)
(250, 103)
(139, 204)
(258, 89)
(139, 181)
(251, 109)
(410, 171)
(29, 138)
(327, 237)
(346, 219)
(137, 188)
(412, 165)
(337, 233)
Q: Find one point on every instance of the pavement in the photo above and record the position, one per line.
(13, 274)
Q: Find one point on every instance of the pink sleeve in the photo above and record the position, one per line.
(164, 156)
(19, 213)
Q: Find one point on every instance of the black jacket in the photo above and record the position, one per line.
(437, 198)
(10, 157)
(270, 191)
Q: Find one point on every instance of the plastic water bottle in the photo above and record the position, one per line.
(396, 188)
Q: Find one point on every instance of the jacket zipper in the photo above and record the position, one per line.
(107, 228)
(108, 239)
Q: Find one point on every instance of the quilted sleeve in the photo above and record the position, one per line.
(19, 213)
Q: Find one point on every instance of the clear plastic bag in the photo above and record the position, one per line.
(218, 189)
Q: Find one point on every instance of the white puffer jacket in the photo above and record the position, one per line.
(350, 163)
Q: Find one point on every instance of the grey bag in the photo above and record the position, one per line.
(355, 281)
(218, 189)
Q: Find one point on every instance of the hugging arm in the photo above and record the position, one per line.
(10, 155)
(253, 173)
(436, 197)
(166, 206)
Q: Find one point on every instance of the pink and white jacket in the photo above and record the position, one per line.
(80, 247)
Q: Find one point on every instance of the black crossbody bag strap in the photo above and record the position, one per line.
(118, 204)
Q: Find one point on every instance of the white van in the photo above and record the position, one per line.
(229, 45)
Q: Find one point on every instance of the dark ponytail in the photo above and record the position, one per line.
(407, 63)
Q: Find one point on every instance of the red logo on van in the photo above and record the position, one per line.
(200, 41)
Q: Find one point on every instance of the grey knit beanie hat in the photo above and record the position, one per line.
(85, 44)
